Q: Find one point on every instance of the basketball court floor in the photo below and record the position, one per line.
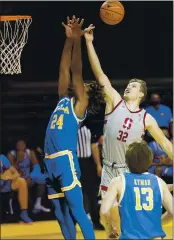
(51, 230)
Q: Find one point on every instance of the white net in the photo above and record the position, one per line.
(13, 37)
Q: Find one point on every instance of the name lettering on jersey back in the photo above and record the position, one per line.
(142, 182)
(61, 108)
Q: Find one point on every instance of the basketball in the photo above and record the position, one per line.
(112, 12)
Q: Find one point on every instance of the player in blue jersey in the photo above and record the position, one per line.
(139, 195)
(61, 163)
(10, 180)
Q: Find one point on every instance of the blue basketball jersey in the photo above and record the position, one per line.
(141, 207)
(23, 167)
(62, 129)
(5, 186)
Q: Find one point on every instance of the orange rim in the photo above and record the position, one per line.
(13, 18)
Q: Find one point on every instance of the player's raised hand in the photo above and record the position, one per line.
(89, 35)
(89, 29)
(76, 26)
(73, 27)
(68, 30)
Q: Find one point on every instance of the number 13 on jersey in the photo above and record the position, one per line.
(148, 204)
(57, 121)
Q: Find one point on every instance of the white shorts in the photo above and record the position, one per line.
(108, 173)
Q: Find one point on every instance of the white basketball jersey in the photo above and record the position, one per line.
(121, 128)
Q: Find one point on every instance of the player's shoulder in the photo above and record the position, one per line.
(13, 153)
(149, 120)
(4, 158)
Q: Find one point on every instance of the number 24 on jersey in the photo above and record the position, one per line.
(57, 121)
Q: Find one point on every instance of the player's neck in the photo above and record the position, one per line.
(133, 105)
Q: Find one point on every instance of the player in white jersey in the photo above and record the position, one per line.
(125, 123)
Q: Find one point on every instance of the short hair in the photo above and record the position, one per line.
(143, 87)
(139, 157)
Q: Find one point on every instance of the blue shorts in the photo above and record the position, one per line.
(62, 172)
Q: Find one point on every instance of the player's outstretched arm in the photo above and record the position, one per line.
(76, 68)
(64, 69)
(153, 128)
(111, 93)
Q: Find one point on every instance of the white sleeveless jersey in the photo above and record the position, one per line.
(121, 128)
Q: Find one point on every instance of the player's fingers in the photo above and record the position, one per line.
(63, 24)
(77, 20)
(91, 25)
(91, 32)
(68, 20)
(73, 19)
(91, 28)
(81, 22)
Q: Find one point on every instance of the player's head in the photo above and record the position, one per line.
(96, 97)
(136, 89)
(139, 157)
(21, 145)
(95, 94)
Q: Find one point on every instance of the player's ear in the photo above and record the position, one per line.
(141, 94)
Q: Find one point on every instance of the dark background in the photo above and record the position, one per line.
(140, 46)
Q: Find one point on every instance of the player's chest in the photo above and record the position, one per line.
(23, 163)
(124, 121)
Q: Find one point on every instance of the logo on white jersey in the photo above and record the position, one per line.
(127, 123)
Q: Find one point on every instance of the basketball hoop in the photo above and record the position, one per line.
(13, 37)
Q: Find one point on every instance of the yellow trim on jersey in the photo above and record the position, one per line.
(56, 195)
(75, 180)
